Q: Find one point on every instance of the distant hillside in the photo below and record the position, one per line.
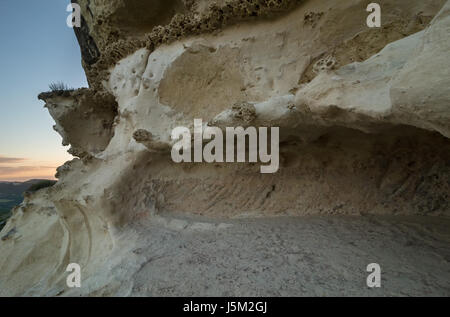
(11, 196)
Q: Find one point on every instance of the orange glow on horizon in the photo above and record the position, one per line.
(18, 170)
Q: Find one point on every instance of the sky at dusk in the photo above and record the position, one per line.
(37, 48)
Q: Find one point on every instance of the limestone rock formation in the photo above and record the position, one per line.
(364, 117)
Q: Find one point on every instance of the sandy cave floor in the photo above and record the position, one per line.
(304, 256)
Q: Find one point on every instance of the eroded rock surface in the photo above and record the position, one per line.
(364, 147)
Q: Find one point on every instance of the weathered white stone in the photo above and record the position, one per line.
(364, 125)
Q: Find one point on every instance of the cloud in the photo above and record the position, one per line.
(4, 159)
(21, 169)
(12, 170)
